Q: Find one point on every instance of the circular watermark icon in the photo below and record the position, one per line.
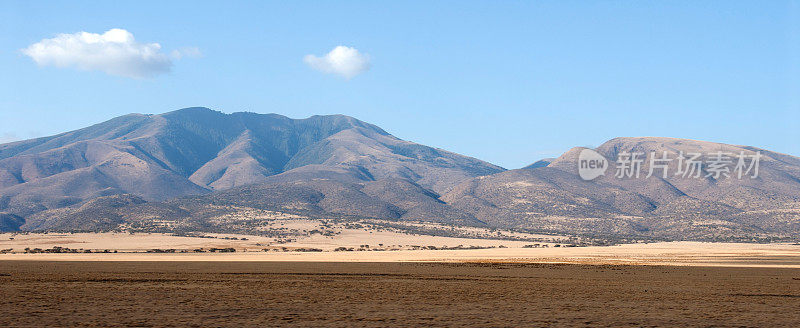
(591, 164)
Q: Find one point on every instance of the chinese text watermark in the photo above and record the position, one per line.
(713, 165)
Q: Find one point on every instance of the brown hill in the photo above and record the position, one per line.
(554, 197)
(200, 170)
(195, 151)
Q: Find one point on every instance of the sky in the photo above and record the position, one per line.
(509, 82)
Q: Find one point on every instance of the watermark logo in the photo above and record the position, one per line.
(714, 165)
(591, 164)
(634, 165)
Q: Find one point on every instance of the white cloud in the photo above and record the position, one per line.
(344, 61)
(115, 52)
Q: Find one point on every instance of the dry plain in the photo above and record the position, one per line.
(392, 284)
(325, 294)
(392, 247)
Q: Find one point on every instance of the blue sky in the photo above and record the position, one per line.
(507, 82)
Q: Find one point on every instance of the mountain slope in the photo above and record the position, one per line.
(200, 170)
(553, 197)
(195, 151)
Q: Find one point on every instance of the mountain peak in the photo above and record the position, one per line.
(196, 150)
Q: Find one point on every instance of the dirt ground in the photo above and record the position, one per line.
(319, 294)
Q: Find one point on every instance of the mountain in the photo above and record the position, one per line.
(200, 170)
(196, 151)
(553, 197)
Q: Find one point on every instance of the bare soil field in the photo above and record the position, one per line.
(319, 294)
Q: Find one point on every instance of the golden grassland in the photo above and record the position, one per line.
(374, 246)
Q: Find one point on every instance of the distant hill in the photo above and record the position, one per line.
(553, 196)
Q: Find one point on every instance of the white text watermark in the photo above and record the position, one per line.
(715, 165)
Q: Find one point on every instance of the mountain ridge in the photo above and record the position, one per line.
(196, 150)
(195, 166)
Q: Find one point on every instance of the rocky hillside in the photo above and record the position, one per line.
(552, 196)
(200, 170)
(195, 151)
